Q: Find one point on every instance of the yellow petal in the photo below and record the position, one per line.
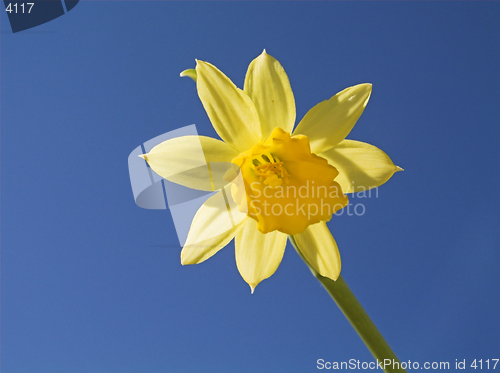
(319, 248)
(361, 166)
(186, 160)
(189, 72)
(266, 83)
(330, 121)
(258, 255)
(213, 227)
(230, 110)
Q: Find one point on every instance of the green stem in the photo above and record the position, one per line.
(358, 318)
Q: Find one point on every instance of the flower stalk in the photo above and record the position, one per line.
(358, 318)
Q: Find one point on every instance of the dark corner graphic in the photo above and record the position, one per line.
(32, 13)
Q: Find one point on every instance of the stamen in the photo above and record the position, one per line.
(270, 169)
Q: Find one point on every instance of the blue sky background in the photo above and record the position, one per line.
(92, 283)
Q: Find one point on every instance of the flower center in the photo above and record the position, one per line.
(286, 187)
(270, 169)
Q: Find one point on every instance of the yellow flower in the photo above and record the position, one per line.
(291, 184)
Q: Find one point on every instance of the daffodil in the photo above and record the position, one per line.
(292, 180)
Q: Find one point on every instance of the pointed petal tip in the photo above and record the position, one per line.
(252, 289)
(184, 262)
(399, 169)
(366, 87)
(335, 277)
(143, 156)
(189, 73)
(264, 51)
